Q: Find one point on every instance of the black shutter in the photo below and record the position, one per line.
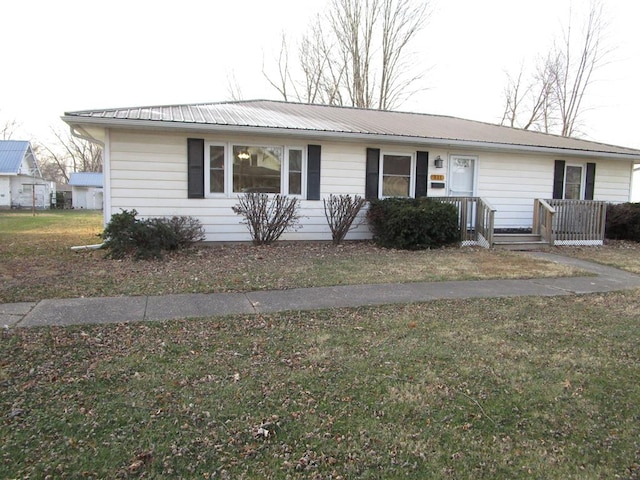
(422, 169)
(195, 169)
(558, 179)
(313, 172)
(372, 174)
(590, 182)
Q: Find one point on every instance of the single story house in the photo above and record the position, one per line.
(86, 190)
(21, 183)
(196, 159)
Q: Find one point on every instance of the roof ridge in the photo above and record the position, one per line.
(321, 105)
(140, 107)
(344, 120)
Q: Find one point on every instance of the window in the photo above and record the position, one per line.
(225, 169)
(295, 171)
(573, 182)
(257, 169)
(216, 169)
(396, 175)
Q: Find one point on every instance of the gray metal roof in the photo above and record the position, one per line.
(343, 122)
(86, 179)
(11, 154)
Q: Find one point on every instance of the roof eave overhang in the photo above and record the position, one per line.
(343, 136)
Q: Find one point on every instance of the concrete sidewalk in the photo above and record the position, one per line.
(79, 311)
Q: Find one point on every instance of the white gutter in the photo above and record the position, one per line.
(345, 136)
(82, 134)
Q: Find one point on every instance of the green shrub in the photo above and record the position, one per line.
(623, 222)
(127, 235)
(413, 224)
(59, 200)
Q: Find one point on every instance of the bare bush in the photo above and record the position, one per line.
(341, 211)
(267, 217)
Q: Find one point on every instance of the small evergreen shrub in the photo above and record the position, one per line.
(413, 224)
(127, 235)
(623, 222)
(59, 200)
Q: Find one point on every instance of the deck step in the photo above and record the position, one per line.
(518, 241)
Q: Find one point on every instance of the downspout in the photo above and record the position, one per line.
(82, 134)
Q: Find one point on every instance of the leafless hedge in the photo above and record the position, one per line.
(341, 211)
(267, 217)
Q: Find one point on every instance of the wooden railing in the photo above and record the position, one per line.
(475, 219)
(578, 222)
(543, 214)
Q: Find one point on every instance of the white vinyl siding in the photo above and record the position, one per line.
(5, 192)
(511, 182)
(613, 181)
(148, 172)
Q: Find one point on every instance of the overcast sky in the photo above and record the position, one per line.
(63, 55)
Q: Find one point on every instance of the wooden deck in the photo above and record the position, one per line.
(476, 219)
(555, 222)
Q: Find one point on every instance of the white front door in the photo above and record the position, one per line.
(462, 175)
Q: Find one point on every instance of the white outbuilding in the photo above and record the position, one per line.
(86, 190)
(21, 182)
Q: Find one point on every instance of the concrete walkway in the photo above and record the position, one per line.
(77, 311)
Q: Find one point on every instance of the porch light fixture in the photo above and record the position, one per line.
(244, 156)
(438, 162)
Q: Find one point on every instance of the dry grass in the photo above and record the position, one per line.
(36, 263)
(487, 388)
(615, 253)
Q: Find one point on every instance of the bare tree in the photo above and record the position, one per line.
(321, 77)
(234, 92)
(572, 74)
(52, 171)
(530, 105)
(70, 154)
(284, 81)
(552, 100)
(8, 129)
(357, 54)
(402, 21)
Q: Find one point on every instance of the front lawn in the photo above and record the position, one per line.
(624, 255)
(36, 263)
(489, 388)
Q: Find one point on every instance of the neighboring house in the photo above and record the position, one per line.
(21, 183)
(86, 190)
(196, 159)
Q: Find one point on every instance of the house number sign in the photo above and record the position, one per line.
(437, 177)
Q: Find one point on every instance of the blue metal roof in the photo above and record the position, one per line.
(85, 179)
(11, 154)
